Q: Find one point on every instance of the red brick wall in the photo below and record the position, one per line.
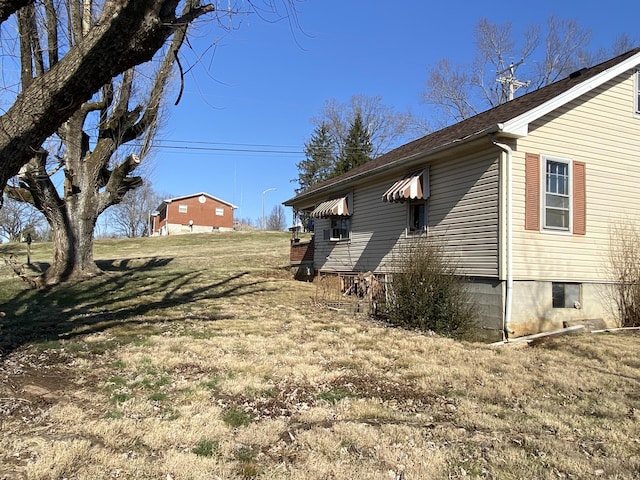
(301, 252)
(203, 214)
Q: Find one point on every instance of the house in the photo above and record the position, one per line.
(196, 213)
(523, 196)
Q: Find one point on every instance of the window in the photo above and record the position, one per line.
(220, 211)
(557, 210)
(417, 218)
(182, 208)
(555, 194)
(340, 228)
(565, 295)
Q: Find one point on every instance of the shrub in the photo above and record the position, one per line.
(624, 270)
(426, 292)
(205, 448)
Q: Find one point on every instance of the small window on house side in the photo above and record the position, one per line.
(557, 200)
(565, 295)
(340, 228)
(417, 218)
(182, 209)
(220, 211)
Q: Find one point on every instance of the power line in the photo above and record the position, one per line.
(227, 147)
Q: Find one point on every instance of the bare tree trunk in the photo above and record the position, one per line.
(72, 240)
(126, 34)
(93, 178)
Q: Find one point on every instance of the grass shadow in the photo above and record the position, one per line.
(131, 292)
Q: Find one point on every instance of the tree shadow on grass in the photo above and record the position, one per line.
(131, 292)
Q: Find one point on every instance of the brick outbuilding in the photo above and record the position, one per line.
(196, 213)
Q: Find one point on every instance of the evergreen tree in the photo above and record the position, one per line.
(320, 159)
(357, 148)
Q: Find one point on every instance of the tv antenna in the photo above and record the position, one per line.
(509, 81)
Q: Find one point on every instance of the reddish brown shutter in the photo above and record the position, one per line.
(532, 192)
(579, 199)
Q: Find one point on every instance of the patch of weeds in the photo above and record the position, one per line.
(113, 383)
(158, 397)
(154, 383)
(171, 414)
(236, 418)
(205, 448)
(249, 470)
(212, 384)
(334, 395)
(99, 348)
(248, 467)
(48, 345)
(252, 392)
(202, 334)
(120, 397)
(119, 364)
(245, 454)
(112, 415)
(449, 391)
(270, 393)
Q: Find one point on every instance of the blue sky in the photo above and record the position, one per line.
(247, 106)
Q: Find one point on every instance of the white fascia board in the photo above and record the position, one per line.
(519, 126)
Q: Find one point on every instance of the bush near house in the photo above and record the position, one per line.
(427, 293)
(624, 267)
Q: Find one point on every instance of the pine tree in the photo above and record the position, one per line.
(320, 159)
(357, 148)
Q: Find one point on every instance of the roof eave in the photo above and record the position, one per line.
(403, 161)
(520, 124)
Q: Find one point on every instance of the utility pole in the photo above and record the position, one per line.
(509, 81)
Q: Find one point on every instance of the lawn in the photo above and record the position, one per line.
(199, 357)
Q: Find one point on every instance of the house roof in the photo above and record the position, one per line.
(509, 119)
(183, 197)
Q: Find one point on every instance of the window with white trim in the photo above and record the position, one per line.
(219, 211)
(340, 229)
(557, 197)
(417, 218)
(182, 208)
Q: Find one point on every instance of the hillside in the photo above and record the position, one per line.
(199, 357)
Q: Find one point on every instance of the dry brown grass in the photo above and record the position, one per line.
(215, 364)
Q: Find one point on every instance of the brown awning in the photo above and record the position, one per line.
(330, 208)
(410, 187)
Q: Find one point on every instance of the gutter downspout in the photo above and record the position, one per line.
(508, 172)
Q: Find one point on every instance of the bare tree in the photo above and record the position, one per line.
(90, 147)
(506, 65)
(131, 217)
(97, 171)
(63, 76)
(387, 128)
(19, 217)
(246, 224)
(624, 270)
(276, 220)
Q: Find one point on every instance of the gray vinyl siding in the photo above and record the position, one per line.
(462, 211)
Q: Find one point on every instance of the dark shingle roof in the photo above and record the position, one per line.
(478, 123)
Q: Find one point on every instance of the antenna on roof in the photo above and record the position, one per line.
(509, 81)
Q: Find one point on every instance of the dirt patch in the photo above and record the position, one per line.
(31, 382)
